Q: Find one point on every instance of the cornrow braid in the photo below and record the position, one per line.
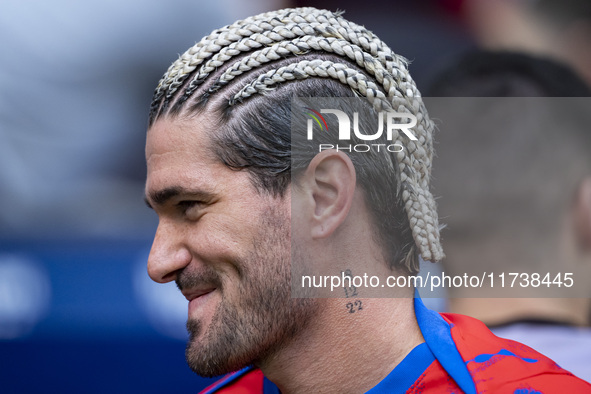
(217, 40)
(301, 46)
(228, 56)
(261, 30)
(314, 68)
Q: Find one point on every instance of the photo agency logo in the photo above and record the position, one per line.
(348, 132)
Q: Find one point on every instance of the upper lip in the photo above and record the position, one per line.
(191, 294)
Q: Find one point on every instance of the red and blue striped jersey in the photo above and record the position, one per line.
(459, 355)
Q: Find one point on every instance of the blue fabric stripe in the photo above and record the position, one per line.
(482, 358)
(228, 379)
(437, 334)
(407, 372)
(269, 387)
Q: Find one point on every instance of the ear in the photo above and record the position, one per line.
(330, 178)
(582, 214)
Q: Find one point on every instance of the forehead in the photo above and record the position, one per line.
(174, 134)
(179, 152)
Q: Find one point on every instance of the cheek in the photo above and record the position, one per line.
(210, 238)
(223, 242)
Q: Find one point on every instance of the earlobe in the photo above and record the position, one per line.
(332, 179)
(582, 214)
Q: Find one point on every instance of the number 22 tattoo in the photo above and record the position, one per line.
(354, 306)
(351, 291)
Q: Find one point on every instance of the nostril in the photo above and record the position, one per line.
(171, 276)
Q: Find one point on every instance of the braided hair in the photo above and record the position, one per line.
(248, 72)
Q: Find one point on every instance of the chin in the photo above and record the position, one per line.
(208, 365)
(214, 353)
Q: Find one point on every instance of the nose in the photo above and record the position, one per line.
(168, 254)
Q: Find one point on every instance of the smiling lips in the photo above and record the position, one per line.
(197, 299)
(190, 295)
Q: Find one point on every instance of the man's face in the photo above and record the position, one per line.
(226, 246)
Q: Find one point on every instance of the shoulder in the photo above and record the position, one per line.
(503, 365)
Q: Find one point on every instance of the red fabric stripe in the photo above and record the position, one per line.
(249, 383)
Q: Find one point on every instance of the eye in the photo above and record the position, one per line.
(189, 207)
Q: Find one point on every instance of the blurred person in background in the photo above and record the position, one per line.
(559, 29)
(515, 192)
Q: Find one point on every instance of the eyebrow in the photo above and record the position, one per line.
(161, 197)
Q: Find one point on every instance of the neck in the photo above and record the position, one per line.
(343, 351)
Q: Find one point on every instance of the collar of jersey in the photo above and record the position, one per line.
(437, 334)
